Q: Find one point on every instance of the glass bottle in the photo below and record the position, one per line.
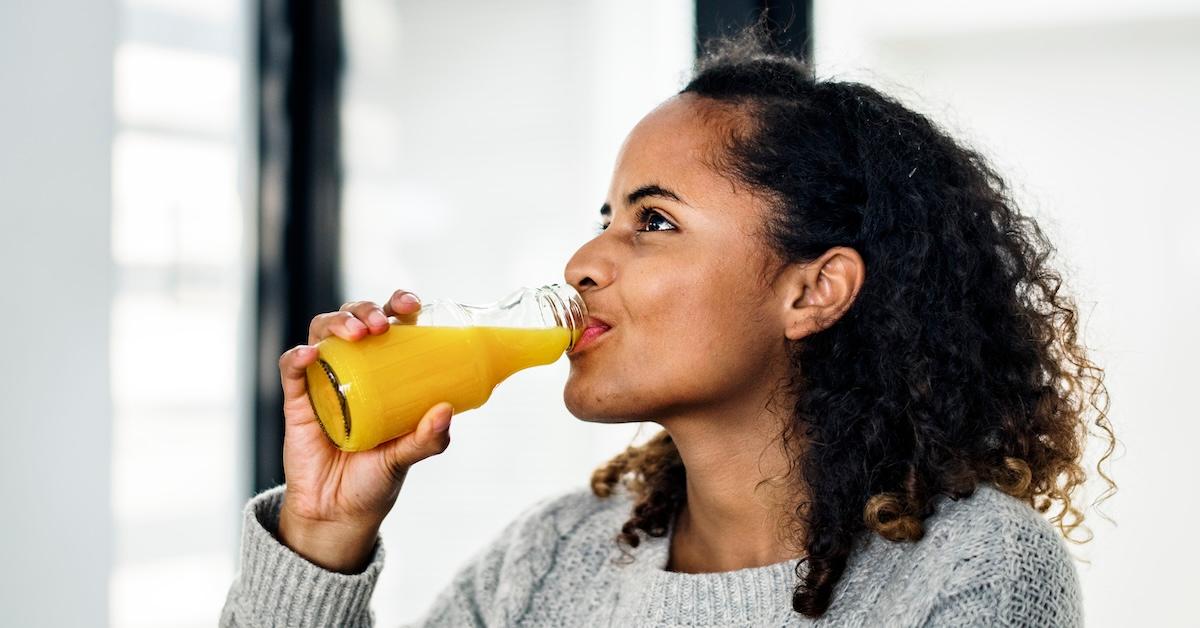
(377, 388)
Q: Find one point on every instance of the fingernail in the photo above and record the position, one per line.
(441, 424)
(409, 297)
(377, 318)
(355, 325)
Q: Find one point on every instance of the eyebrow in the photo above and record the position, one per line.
(646, 191)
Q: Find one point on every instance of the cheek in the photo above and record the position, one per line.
(710, 348)
(638, 370)
(702, 308)
(694, 336)
(687, 338)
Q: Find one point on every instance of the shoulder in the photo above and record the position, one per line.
(566, 522)
(989, 525)
(995, 550)
(576, 504)
(568, 512)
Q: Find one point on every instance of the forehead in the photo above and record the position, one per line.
(675, 145)
(679, 145)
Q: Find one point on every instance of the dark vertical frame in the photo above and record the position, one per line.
(300, 63)
(789, 22)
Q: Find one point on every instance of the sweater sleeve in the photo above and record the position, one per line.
(1027, 579)
(275, 586)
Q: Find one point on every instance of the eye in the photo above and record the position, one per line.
(649, 218)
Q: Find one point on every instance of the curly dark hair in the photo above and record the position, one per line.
(957, 364)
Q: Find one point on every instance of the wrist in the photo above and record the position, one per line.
(344, 547)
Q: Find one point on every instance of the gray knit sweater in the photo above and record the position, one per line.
(986, 560)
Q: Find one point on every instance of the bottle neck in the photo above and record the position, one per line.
(565, 305)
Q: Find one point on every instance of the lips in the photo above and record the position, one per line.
(596, 321)
(596, 328)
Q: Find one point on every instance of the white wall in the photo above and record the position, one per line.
(124, 155)
(1090, 108)
(55, 132)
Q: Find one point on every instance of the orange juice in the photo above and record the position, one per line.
(377, 388)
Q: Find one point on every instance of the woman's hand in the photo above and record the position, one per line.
(335, 501)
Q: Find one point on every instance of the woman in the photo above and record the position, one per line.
(869, 383)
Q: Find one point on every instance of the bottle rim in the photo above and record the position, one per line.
(568, 309)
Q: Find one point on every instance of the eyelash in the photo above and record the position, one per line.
(643, 215)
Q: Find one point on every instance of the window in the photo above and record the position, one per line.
(179, 318)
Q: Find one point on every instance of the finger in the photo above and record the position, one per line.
(341, 324)
(424, 442)
(370, 314)
(292, 364)
(404, 305)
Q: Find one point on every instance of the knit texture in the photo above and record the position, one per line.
(986, 560)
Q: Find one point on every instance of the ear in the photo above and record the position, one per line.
(818, 293)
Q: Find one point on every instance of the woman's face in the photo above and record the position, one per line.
(680, 274)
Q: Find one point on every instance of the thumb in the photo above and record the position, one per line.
(423, 442)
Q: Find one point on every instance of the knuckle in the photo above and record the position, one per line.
(322, 321)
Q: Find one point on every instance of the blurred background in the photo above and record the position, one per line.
(185, 183)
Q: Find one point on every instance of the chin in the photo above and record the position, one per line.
(599, 406)
(582, 405)
(592, 406)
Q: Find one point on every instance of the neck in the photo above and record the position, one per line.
(738, 509)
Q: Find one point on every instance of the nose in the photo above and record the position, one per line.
(590, 268)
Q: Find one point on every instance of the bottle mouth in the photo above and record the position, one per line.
(567, 310)
(329, 403)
